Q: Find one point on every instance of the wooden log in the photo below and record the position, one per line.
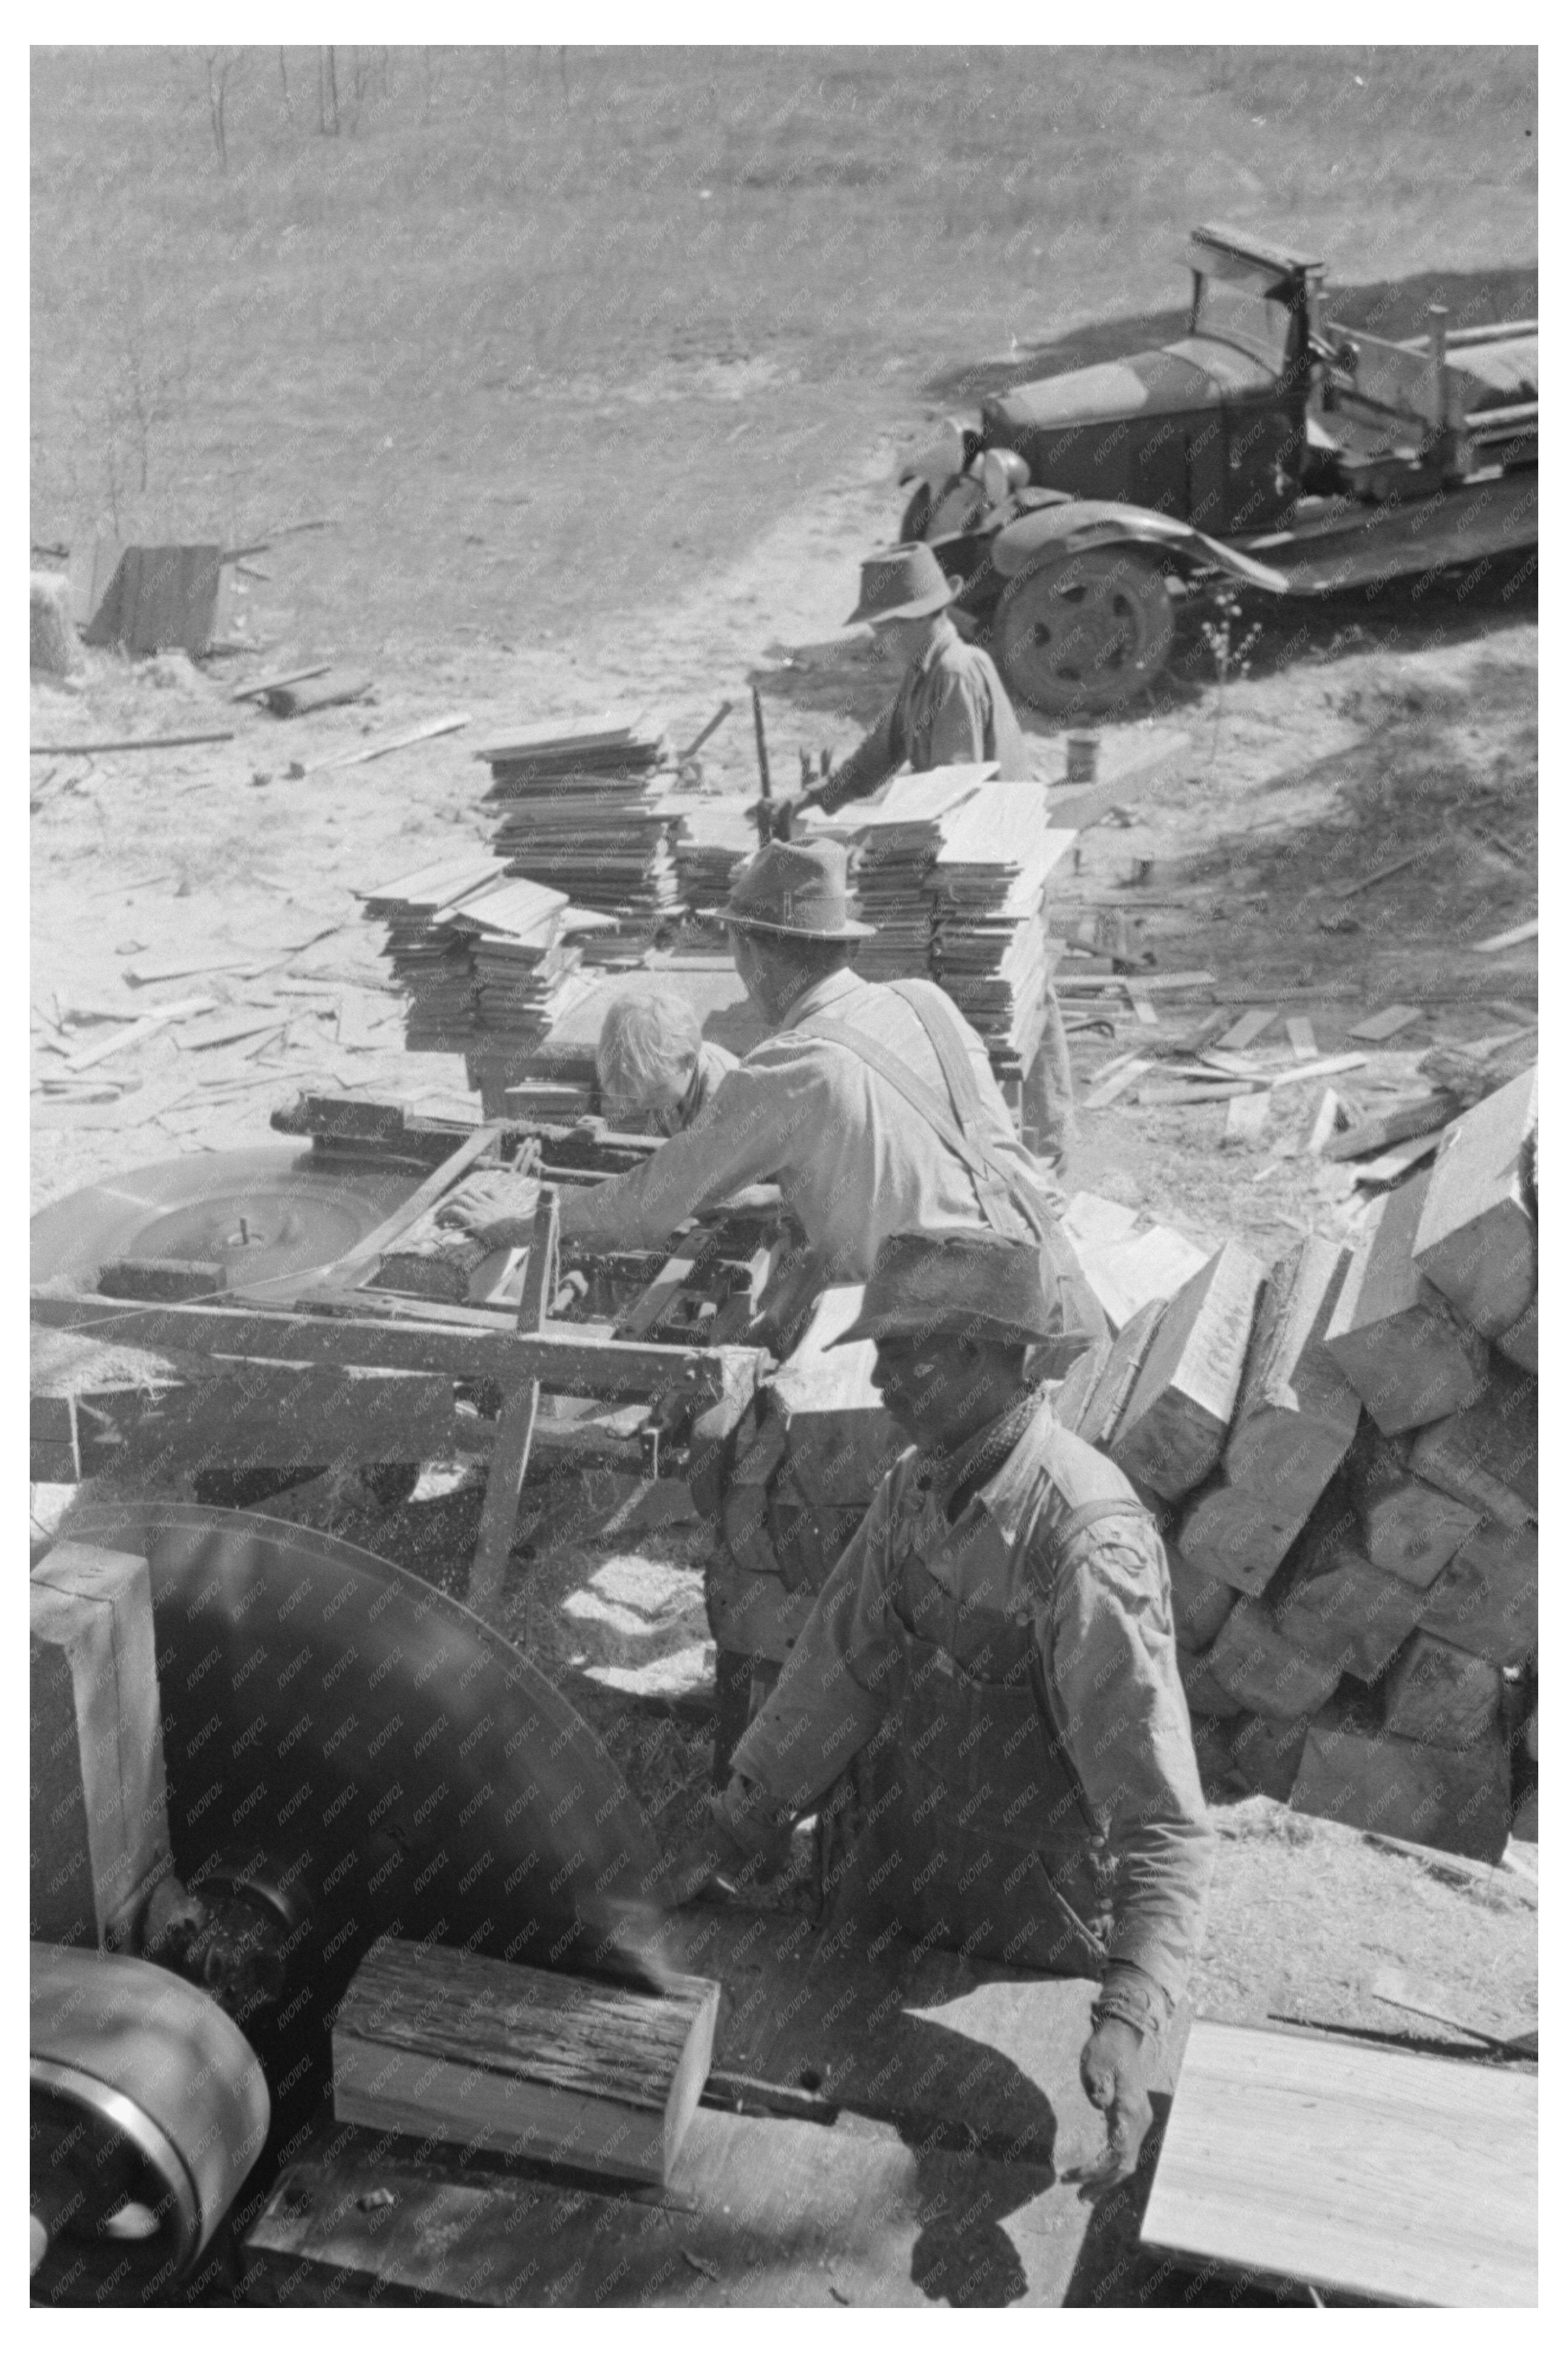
(1073, 1394)
(1334, 1605)
(1176, 1419)
(1437, 1693)
(1487, 1456)
(1454, 1799)
(98, 1832)
(1369, 1135)
(286, 701)
(1125, 1272)
(1476, 1239)
(1406, 1526)
(453, 2047)
(1486, 1600)
(1100, 1415)
(1396, 1340)
(1519, 1342)
(1266, 1753)
(1200, 1601)
(1235, 1534)
(1267, 1672)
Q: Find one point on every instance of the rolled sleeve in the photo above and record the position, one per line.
(1109, 1651)
(748, 1133)
(831, 1697)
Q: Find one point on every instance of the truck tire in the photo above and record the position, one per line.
(1081, 634)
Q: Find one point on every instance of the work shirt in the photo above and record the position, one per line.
(712, 1066)
(853, 1160)
(952, 708)
(1099, 1608)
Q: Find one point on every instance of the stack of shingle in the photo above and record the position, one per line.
(895, 837)
(712, 840)
(987, 890)
(431, 963)
(586, 815)
(525, 949)
(1342, 1453)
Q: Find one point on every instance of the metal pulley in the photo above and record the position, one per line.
(148, 2110)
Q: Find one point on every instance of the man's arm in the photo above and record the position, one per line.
(869, 766)
(751, 1130)
(1109, 1651)
(833, 1693)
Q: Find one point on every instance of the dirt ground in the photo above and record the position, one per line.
(1343, 737)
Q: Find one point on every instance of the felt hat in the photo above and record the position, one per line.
(964, 1280)
(902, 584)
(798, 889)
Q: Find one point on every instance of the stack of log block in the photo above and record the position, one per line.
(1340, 1453)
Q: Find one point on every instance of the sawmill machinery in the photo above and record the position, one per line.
(346, 1752)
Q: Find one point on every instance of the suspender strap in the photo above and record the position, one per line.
(995, 1187)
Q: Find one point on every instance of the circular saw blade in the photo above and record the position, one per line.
(270, 1211)
(365, 1737)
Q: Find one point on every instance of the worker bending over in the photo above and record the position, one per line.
(993, 1659)
(654, 1062)
(951, 709)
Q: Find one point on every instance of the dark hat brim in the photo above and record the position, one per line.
(918, 608)
(741, 922)
(894, 1324)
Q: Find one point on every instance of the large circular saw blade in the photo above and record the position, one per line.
(270, 1211)
(327, 1716)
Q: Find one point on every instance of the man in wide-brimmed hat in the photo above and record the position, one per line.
(951, 709)
(872, 1107)
(995, 1657)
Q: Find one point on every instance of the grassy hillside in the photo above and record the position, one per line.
(550, 331)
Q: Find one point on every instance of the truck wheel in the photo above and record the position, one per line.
(1084, 633)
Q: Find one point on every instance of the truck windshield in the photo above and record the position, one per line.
(1235, 314)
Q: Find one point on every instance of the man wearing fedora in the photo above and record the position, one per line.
(951, 709)
(873, 1109)
(993, 1661)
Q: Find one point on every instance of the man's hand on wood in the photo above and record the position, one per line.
(739, 1840)
(1115, 2067)
(496, 1208)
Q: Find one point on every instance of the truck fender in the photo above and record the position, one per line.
(1078, 523)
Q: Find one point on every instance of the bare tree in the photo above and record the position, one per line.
(283, 78)
(222, 66)
(327, 92)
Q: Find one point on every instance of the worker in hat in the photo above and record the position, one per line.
(872, 1107)
(993, 1661)
(951, 709)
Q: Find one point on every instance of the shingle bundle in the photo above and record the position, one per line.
(431, 963)
(895, 837)
(586, 814)
(713, 839)
(986, 890)
(525, 955)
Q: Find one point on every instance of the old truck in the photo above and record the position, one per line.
(1269, 447)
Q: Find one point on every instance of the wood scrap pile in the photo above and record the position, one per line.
(586, 814)
(1342, 1454)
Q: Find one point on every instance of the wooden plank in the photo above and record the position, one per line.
(1217, 1091)
(1312, 2158)
(134, 1033)
(1143, 1004)
(1501, 940)
(1251, 1026)
(1396, 1340)
(364, 752)
(514, 1434)
(128, 743)
(1074, 984)
(1392, 1166)
(1487, 1597)
(1126, 1273)
(1176, 1418)
(471, 1345)
(1438, 1692)
(98, 1825)
(1327, 1066)
(1519, 2037)
(1303, 1043)
(1245, 1118)
(1387, 1023)
(436, 1186)
(1369, 1135)
(279, 678)
(450, 2046)
(1324, 1124)
(1379, 874)
(1106, 1089)
(1476, 1239)
(1454, 1799)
